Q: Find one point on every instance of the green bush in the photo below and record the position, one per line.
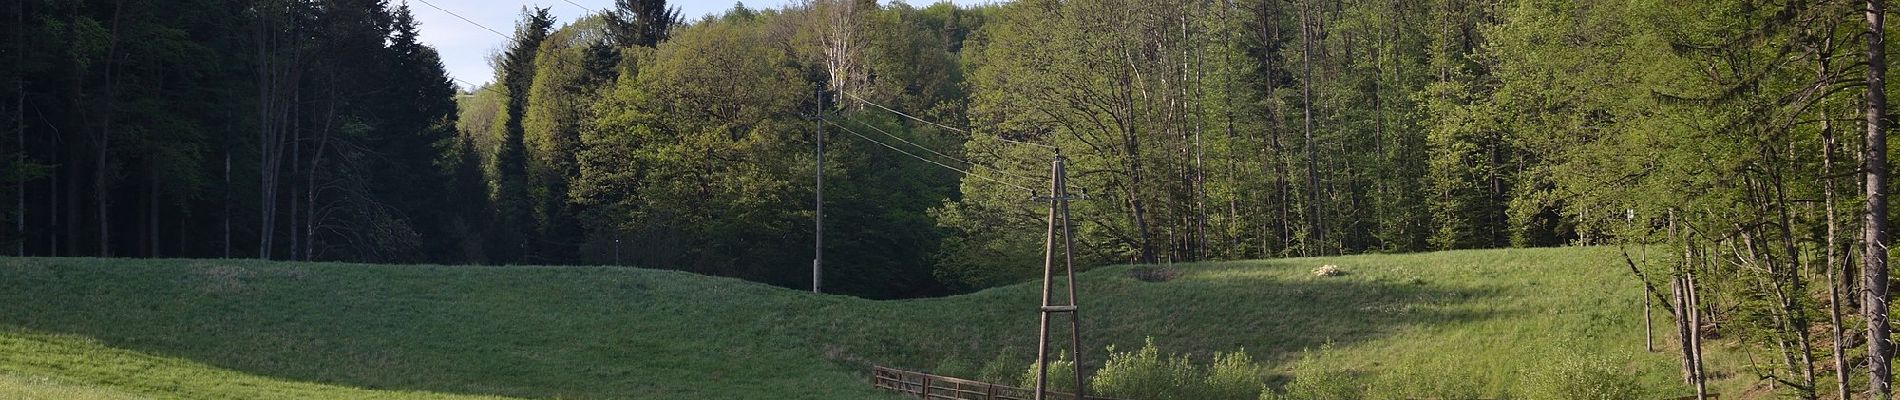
(1234, 376)
(1146, 375)
(1586, 377)
(1061, 375)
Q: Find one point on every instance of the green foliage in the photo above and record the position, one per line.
(640, 23)
(1234, 376)
(698, 153)
(1061, 374)
(1146, 374)
(511, 225)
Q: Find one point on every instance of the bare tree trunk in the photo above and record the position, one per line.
(1680, 311)
(1200, 125)
(1316, 228)
(269, 142)
(840, 40)
(102, 177)
(1833, 257)
(1793, 273)
(1695, 338)
(1131, 148)
(227, 194)
(1879, 348)
(1649, 332)
(296, 172)
(1234, 249)
(151, 211)
(19, 120)
(1275, 163)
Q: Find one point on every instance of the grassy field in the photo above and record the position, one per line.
(128, 329)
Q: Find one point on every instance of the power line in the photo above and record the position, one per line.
(557, 60)
(473, 86)
(589, 10)
(940, 154)
(893, 111)
(965, 172)
(465, 19)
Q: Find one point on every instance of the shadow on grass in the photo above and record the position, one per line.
(518, 331)
(619, 333)
(1269, 312)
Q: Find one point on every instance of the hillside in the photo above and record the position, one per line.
(112, 329)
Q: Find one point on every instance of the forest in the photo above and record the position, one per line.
(1742, 140)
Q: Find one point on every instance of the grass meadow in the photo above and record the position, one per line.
(242, 329)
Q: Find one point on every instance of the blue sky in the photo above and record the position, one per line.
(465, 46)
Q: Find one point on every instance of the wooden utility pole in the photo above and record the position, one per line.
(818, 207)
(1058, 216)
(1879, 348)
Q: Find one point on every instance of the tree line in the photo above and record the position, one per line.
(274, 129)
(1742, 140)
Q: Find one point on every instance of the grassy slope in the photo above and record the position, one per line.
(246, 329)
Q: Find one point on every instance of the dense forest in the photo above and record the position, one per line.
(1738, 138)
(276, 129)
(322, 130)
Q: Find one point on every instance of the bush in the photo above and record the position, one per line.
(1146, 375)
(1234, 376)
(1061, 375)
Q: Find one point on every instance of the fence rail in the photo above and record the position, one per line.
(934, 387)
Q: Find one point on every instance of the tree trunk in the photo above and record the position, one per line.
(1316, 228)
(1879, 349)
(151, 208)
(226, 253)
(1680, 311)
(1833, 254)
(102, 184)
(1695, 338)
(19, 120)
(1649, 331)
(267, 105)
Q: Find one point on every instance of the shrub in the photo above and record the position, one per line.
(1234, 376)
(1146, 375)
(1061, 375)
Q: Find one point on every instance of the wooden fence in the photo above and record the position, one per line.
(933, 387)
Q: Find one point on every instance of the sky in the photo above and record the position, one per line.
(465, 45)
